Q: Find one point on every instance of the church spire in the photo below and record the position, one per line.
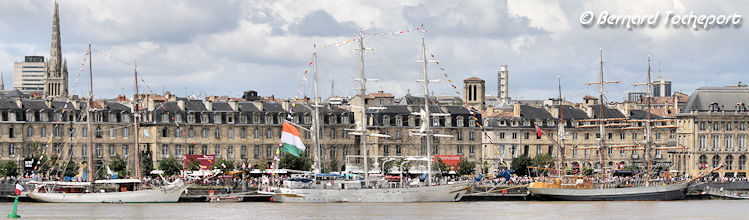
(56, 83)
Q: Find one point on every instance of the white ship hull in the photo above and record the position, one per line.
(139, 196)
(441, 193)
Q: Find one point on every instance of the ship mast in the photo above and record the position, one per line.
(601, 120)
(89, 116)
(561, 127)
(136, 117)
(427, 118)
(364, 121)
(648, 130)
(316, 122)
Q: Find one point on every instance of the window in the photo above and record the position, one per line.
(729, 126)
(729, 143)
(29, 131)
(472, 122)
(634, 135)
(125, 151)
(398, 150)
(398, 121)
(243, 152)
(539, 150)
(204, 118)
(471, 136)
(99, 152)
(307, 134)
(58, 148)
(703, 162)
(269, 133)
(230, 133)
(742, 162)
(622, 153)
(111, 150)
(332, 134)
(716, 126)
(191, 118)
(716, 143)
(436, 150)
(44, 131)
(178, 132)
(191, 133)
(125, 133)
(178, 151)
(398, 135)
(333, 153)
(459, 121)
(230, 152)
(243, 133)
(742, 126)
(12, 132)
(165, 118)
(164, 132)
(657, 136)
(574, 136)
(204, 133)
(526, 135)
(702, 126)
(460, 150)
(501, 135)
(514, 151)
(385, 150)
(217, 151)
(587, 153)
(502, 151)
(217, 118)
(268, 152)
(587, 136)
(742, 143)
(460, 135)
(256, 152)
(610, 136)
(217, 133)
(256, 134)
(703, 143)
(204, 150)
(268, 119)
(622, 135)
(574, 152)
(191, 150)
(472, 151)
(84, 151)
(514, 135)
(164, 151)
(716, 161)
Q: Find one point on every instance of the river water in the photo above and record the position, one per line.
(691, 209)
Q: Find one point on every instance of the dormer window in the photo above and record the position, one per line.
(269, 119)
(243, 118)
(255, 119)
(178, 117)
(204, 118)
(398, 121)
(191, 118)
(459, 121)
(29, 116)
(471, 122)
(165, 118)
(217, 118)
(307, 119)
(112, 117)
(125, 118)
(386, 120)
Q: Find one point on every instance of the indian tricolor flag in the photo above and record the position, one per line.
(291, 141)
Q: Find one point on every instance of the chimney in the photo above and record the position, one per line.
(48, 102)
(234, 105)
(259, 105)
(181, 104)
(208, 105)
(516, 109)
(286, 105)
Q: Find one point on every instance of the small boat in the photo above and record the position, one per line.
(127, 191)
(225, 198)
(577, 188)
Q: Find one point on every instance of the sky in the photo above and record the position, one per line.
(207, 48)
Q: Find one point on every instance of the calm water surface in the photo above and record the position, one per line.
(693, 209)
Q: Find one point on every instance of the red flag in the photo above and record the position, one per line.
(19, 188)
(538, 132)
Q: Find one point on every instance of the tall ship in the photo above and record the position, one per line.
(95, 191)
(321, 188)
(580, 188)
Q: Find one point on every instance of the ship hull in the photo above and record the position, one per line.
(139, 196)
(441, 193)
(667, 192)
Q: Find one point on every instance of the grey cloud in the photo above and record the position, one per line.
(320, 23)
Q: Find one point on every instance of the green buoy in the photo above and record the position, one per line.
(15, 209)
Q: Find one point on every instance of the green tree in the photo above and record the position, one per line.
(406, 166)
(441, 167)
(228, 163)
(170, 166)
(331, 166)
(117, 164)
(295, 163)
(71, 169)
(631, 167)
(543, 160)
(101, 169)
(466, 167)
(588, 171)
(146, 164)
(520, 164)
(8, 168)
(192, 165)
